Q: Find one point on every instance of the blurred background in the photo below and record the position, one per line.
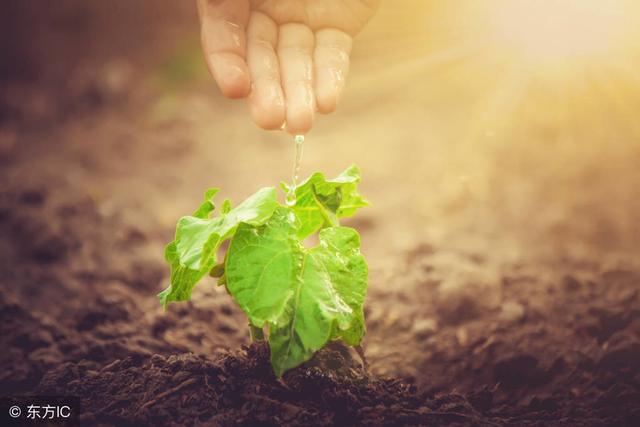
(489, 115)
(490, 133)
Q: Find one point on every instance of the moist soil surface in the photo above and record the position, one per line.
(487, 305)
(560, 345)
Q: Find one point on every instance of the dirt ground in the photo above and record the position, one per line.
(504, 270)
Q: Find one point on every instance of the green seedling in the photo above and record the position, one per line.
(301, 297)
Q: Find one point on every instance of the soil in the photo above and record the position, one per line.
(485, 307)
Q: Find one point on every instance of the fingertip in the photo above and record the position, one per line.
(327, 103)
(301, 107)
(231, 73)
(267, 117)
(268, 124)
(329, 87)
(236, 89)
(299, 122)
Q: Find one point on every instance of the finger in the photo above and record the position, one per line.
(295, 50)
(331, 58)
(266, 101)
(223, 25)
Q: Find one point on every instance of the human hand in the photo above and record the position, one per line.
(289, 57)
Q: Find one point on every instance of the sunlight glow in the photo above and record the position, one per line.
(560, 29)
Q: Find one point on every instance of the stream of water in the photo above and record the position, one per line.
(291, 195)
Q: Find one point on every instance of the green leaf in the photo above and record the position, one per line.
(226, 206)
(321, 202)
(207, 205)
(339, 254)
(193, 252)
(306, 296)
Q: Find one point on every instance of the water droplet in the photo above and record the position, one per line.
(290, 198)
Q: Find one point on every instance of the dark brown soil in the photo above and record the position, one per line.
(240, 389)
(564, 351)
(509, 297)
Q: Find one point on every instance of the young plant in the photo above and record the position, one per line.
(304, 296)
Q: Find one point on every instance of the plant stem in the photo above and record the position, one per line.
(256, 333)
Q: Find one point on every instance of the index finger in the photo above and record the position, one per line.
(223, 24)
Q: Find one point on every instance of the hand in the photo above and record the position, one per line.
(290, 57)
